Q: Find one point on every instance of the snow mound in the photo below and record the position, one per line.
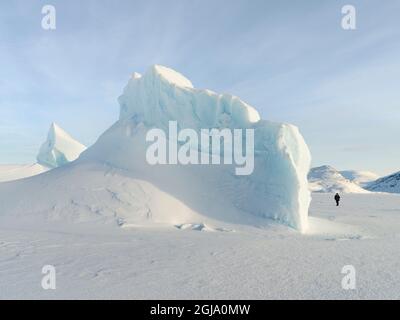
(113, 181)
(327, 179)
(59, 148)
(390, 184)
(359, 177)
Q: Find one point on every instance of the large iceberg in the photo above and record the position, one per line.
(276, 189)
(59, 148)
(112, 182)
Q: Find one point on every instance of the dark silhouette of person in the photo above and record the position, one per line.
(337, 199)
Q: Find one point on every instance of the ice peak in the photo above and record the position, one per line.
(171, 76)
(136, 75)
(59, 148)
(163, 94)
(55, 130)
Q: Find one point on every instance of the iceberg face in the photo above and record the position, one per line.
(277, 188)
(59, 148)
(162, 95)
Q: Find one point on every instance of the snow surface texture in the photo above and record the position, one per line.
(59, 148)
(362, 178)
(95, 262)
(16, 172)
(390, 183)
(328, 180)
(112, 182)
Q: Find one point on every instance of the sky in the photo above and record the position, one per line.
(291, 60)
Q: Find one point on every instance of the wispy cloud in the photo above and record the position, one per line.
(290, 59)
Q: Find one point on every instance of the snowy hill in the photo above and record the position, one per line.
(328, 179)
(390, 183)
(359, 177)
(59, 148)
(113, 181)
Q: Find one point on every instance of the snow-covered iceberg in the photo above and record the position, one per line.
(276, 189)
(59, 148)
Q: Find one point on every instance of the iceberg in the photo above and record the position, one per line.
(277, 188)
(59, 148)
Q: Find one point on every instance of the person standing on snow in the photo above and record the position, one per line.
(337, 199)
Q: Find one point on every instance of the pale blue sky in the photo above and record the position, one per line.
(289, 59)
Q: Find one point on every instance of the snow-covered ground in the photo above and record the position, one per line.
(242, 262)
(16, 172)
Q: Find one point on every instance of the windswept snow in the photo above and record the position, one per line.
(16, 172)
(94, 262)
(59, 148)
(162, 95)
(327, 179)
(390, 183)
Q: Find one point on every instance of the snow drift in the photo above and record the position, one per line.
(112, 181)
(59, 148)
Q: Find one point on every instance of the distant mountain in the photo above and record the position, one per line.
(326, 179)
(361, 178)
(390, 183)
